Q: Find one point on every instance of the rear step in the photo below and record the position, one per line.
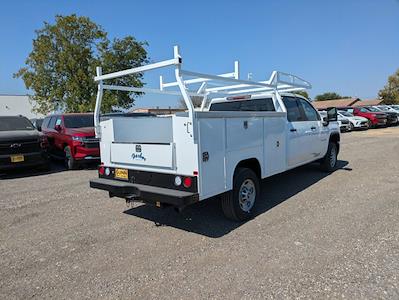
(146, 193)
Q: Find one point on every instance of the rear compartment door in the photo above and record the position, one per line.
(150, 155)
(143, 141)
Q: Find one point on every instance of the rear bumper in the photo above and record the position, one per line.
(145, 193)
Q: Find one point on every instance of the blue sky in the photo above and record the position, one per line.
(345, 46)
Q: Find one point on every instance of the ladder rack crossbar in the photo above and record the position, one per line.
(147, 90)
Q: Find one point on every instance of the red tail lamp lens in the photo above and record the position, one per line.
(101, 170)
(187, 182)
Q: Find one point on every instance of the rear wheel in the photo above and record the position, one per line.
(239, 203)
(70, 162)
(329, 162)
(370, 124)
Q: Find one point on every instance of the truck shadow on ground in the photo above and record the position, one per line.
(206, 218)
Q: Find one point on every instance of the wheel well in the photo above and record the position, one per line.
(251, 163)
(335, 138)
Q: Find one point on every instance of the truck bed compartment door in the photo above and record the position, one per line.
(149, 155)
(212, 151)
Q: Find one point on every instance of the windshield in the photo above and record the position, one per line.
(383, 108)
(15, 123)
(373, 109)
(79, 121)
(345, 113)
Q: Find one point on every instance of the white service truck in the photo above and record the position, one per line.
(244, 131)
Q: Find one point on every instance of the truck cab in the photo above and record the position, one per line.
(222, 149)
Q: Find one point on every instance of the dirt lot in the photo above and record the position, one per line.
(315, 236)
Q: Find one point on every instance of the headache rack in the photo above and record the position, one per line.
(227, 84)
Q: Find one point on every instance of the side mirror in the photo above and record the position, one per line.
(39, 128)
(332, 114)
(58, 127)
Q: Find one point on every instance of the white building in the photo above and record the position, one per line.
(11, 105)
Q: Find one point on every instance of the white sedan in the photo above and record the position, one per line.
(355, 122)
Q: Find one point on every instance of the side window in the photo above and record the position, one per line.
(45, 122)
(364, 110)
(51, 124)
(310, 112)
(58, 121)
(293, 111)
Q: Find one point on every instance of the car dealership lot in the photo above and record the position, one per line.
(315, 235)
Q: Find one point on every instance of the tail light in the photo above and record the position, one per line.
(101, 170)
(187, 182)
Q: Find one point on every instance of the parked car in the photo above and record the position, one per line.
(395, 107)
(392, 117)
(386, 108)
(344, 123)
(37, 123)
(71, 137)
(21, 145)
(375, 119)
(389, 110)
(356, 122)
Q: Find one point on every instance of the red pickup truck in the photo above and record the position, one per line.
(71, 137)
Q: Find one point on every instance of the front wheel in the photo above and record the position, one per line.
(329, 162)
(370, 124)
(70, 162)
(351, 126)
(239, 203)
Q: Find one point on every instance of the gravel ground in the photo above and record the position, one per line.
(315, 236)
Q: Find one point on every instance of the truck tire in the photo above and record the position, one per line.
(329, 161)
(238, 204)
(70, 162)
(370, 124)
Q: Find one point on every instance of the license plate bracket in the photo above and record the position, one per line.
(17, 158)
(122, 174)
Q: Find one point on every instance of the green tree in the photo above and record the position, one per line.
(302, 93)
(61, 67)
(390, 92)
(328, 96)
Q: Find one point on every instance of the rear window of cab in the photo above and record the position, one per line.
(264, 104)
